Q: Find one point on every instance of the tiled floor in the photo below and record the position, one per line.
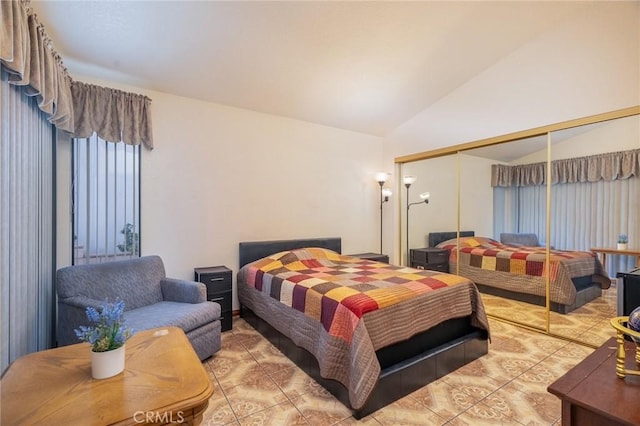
(254, 384)
(589, 323)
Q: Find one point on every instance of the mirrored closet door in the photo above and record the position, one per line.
(594, 199)
(508, 219)
(522, 189)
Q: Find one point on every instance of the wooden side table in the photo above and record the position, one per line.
(604, 251)
(433, 258)
(163, 382)
(592, 394)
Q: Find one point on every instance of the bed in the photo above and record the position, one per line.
(369, 332)
(518, 272)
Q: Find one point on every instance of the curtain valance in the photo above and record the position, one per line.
(114, 115)
(607, 167)
(27, 53)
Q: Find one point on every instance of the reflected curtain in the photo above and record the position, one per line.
(609, 166)
(593, 214)
(593, 200)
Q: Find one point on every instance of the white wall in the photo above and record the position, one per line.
(220, 175)
(437, 176)
(585, 65)
(622, 134)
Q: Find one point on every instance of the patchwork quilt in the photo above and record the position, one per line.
(342, 309)
(514, 264)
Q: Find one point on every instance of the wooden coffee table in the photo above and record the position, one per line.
(163, 382)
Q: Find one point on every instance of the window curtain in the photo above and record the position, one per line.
(593, 214)
(27, 224)
(593, 200)
(81, 109)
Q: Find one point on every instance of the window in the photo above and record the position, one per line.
(106, 201)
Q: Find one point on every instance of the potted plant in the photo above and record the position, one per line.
(107, 337)
(623, 240)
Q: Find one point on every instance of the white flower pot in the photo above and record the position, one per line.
(107, 364)
(622, 246)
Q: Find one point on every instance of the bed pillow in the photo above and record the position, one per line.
(471, 242)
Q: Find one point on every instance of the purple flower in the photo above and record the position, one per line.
(109, 332)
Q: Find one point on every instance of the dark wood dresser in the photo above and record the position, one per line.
(592, 394)
(376, 257)
(218, 281)
(435, 259)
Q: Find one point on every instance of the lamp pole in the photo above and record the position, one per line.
(408, 180)
(425, 199)
(381, 182)
(382, 177)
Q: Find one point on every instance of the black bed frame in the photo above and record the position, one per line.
(405, 366)
(586, 289)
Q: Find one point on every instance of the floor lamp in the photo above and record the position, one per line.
(385, 193)
(408, 181)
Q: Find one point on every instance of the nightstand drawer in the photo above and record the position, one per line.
(440, 256)
(218, 280)
(440, 267)
(215, 282)
(430, 255)
(223, 298)
(226, 321)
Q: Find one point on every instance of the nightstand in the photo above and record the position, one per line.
(433, 258)
(372, 256)
(218, 282)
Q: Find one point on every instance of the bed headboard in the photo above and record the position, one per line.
(254, 250)
(436, 238)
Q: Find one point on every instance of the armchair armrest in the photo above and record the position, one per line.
(72, 313)
(184, 291)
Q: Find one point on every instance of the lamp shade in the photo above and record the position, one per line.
(386, 192)
(409, 180)
(425, 196)
(382, 177)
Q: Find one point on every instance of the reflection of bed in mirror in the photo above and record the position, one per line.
(404, 328)
(518, 272)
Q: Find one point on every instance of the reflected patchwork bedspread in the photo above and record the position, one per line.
(523, 269)
(342, 309)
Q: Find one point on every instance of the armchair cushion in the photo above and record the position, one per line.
(187, 316)
(519, 239)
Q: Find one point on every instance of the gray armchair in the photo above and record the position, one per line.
(151, 300)
(519, 239)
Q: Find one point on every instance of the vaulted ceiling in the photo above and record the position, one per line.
(362, 66)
